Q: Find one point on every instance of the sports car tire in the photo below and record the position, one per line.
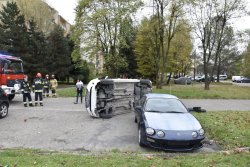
(139, 138)
(3, 110)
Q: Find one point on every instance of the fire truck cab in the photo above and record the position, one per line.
(11, 73)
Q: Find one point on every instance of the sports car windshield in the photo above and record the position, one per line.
(165, 105)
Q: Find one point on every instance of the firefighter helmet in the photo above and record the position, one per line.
(39, 75)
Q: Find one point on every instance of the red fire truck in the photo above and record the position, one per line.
(11, 73)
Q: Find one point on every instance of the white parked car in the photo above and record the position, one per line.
(223, 77)
(237, 78)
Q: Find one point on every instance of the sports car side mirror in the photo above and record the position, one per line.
(196, 109)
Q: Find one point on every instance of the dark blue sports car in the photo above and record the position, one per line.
(165, 123)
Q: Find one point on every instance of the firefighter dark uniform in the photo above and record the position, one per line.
(46, 86)
(38, 89)
(26, 90)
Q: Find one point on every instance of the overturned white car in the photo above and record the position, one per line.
(108, 97)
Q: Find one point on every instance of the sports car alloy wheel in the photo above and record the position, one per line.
(3, 110)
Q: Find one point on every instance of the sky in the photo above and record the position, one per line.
(66, 10)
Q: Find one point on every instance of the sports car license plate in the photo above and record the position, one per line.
(174, 143)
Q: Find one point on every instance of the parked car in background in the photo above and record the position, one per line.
(197, 78)
(237, 78)
(202, 79)
(190, 77)
(165, 123)
(4, 103)
(183, 81)
(245, 80)
(223, 77)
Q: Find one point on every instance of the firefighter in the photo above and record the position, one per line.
(26, 90)
(46, 86)
(38, 89)
(53, 85)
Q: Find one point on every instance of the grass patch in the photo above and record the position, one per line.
(21, 158)
(196, 91)
(68, 92)
(230, 129)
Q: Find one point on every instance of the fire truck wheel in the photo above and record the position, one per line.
(11, 97)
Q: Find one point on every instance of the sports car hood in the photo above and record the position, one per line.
(172, 121)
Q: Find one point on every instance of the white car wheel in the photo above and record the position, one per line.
(3, 110)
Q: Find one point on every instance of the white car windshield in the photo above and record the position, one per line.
(165, 105)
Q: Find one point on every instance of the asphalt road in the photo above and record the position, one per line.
(63, 126)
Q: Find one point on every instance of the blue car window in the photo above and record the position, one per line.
(165, 105)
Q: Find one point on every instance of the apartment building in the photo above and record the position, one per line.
(52, 17)
(59, 20)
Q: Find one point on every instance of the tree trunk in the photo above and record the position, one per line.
(169, 77)
(205, 71)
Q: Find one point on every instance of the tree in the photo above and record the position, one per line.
(229, 53)
(167, 30)
(126, 47)
(59, 62)
(210, 19)
(37, 55)
(98, 25)
(246, 61)
(13, 32)
(180, 51)
(147, 49)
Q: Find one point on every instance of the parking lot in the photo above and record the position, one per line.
(63, 126)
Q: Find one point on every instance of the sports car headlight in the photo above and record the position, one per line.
(160, 134)
(150, 131)
(201, 132)
(194, 134)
